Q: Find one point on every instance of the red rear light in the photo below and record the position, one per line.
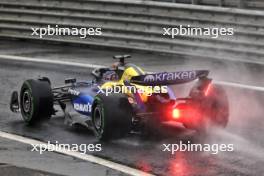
(184, 113)
(176, 113)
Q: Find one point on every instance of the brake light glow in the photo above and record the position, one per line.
(176, 113)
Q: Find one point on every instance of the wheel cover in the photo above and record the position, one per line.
(98, 118)
(27, 102)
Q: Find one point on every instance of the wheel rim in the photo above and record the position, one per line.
(26, 102)
(97, 118)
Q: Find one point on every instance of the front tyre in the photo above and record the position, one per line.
(36, 101)
(111, 116)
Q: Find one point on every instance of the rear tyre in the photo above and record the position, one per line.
(153, 129)
(214, 108)
(36, 101)
(111, 116)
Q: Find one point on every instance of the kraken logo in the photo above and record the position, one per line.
(149, 78)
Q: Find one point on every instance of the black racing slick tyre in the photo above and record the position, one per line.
(111, 116)
(217, 106)
(215, 109)
(36, 101)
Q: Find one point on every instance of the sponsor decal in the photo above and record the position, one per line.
(149, 78)
(82, 107)
(183, 75)
(73, 92)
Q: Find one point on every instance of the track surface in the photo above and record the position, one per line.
(17, 159)
(245, 129)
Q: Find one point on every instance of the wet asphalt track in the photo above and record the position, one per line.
(245, 131)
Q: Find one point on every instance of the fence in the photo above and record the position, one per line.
(138, 25)
(248, 4)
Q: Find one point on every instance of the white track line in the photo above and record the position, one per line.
(243, 86)
(87, 65)
(49, 61)
(90, 158)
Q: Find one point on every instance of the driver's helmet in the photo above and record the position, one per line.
(110, 76)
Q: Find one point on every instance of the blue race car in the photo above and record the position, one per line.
(144, 101)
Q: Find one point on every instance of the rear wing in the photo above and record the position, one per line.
(169, 78)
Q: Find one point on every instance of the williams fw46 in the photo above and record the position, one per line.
(144, 101)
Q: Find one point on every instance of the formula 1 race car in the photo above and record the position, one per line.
(123, 98)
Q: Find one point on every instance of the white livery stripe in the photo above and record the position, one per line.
(90, 158)
(86, 65)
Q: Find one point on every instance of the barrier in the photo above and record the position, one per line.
(248, 4)
(138, 25)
